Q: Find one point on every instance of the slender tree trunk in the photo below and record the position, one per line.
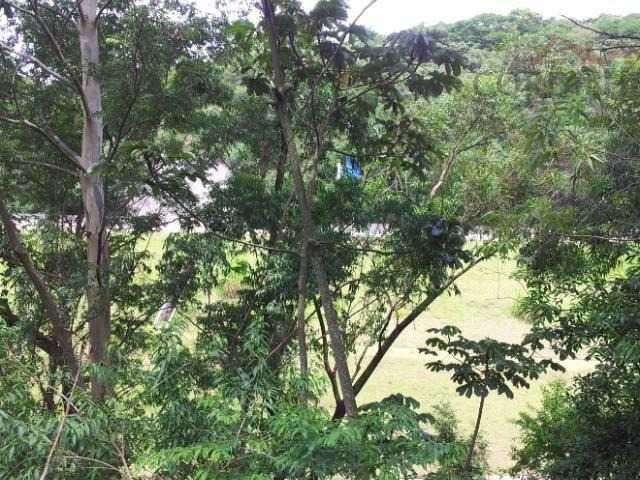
(302, 302)
(468, 464)
(331, 373)
(92, 184)
(335, 335)
(451, 158)
(308, 225)
(320, 275)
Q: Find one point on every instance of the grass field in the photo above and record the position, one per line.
(483, 310)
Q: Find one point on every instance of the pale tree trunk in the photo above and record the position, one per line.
(93, 198)
(92, 183)
(308, 225)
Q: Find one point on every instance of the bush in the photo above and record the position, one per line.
(451, 466)
(590, 432)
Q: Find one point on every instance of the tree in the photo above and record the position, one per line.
(581, 274)
(65, 105)
(285, 278)
(338, 47)
(88, 160)
(482, 366)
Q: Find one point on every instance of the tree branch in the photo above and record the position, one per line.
(344, 37)
(106, 5)
(62, 334)
(36, 61)
(50, 135)
(613, 36)
(408, 320)
(50, 165)
(453, 156)
(331, 372)
(194, 216)
(43, 342)
(60, 53)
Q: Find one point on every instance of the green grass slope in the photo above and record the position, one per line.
(483, 310)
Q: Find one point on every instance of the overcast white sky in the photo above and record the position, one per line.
(386, 16)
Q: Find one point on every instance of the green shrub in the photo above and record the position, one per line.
(451, 466)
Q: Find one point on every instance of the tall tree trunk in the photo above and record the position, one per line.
(308, 225)
(92, 184)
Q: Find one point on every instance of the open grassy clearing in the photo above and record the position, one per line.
(485, 309)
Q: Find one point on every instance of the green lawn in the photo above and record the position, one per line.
(483, 310)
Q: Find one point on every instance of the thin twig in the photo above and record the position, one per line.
(56, 438)
(613, 36)
(35, 60)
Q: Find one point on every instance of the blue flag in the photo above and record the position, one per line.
(351, 167)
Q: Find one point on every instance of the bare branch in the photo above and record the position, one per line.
(50, 165)
(50, 135)
(602, 238)
(613, 36)
(61, 56)
(617, 47)
(106, 5)
(36, 61)
(121, 450)
(451, 159)
(18, 8)
(101, 465)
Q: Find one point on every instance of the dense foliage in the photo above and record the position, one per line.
(215, 227)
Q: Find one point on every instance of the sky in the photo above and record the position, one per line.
(387, 16)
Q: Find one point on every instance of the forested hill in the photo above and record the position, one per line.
(490, 32)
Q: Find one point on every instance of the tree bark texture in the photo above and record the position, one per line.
(93, 195)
